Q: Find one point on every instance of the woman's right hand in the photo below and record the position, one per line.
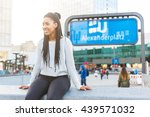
(84, 88)
(24, 87)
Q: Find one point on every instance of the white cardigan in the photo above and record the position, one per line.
(66, 63)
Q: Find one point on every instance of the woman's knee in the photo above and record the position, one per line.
(57, 93)
(31, 97)
(54, 97)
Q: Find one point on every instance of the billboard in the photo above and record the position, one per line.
(104, 32)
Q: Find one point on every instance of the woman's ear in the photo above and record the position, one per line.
(56, 25)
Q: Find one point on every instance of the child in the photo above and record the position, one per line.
(83, 73)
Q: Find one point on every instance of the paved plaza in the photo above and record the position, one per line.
(91, 80)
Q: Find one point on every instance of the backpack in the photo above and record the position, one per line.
(124, 83)
(103, 71)
(87, 72)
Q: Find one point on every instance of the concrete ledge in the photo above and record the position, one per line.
(11, 92)
(109, 93)
(97, 93)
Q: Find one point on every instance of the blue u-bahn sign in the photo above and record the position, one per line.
(115, 61)
(104, 32)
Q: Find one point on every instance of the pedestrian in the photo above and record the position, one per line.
(101, 74)
(107, 73)
(87, 68)
(124, 78)
(83, 75)
(54, 65)
(96, 73)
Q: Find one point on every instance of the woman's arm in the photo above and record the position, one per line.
(70, 63)
(72, 72)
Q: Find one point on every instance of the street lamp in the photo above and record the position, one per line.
(22, 61)
(16, 60)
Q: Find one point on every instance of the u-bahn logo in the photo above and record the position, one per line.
(97, 27)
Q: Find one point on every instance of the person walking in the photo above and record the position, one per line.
(107, 73)
(54, 65)
(101, 72)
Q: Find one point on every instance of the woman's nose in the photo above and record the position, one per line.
(44, 26)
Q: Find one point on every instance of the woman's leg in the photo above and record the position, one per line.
(37, 89)
(58, 88)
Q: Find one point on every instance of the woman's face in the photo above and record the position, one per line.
(49, 26)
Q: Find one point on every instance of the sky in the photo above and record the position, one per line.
(140, 6)
(27, 16)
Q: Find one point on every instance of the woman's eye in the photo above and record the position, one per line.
(46, 23)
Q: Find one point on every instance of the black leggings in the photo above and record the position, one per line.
(54, 87)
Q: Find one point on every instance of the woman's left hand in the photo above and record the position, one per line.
(24, 87)
(84, 88)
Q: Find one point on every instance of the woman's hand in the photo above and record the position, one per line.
(24, 87)
(84, 88)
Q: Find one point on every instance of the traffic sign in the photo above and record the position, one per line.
(115, 61)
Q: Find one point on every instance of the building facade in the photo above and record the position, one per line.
(130, 54)
(5, 28)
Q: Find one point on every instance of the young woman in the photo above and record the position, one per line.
(124, 78)
(54, 63)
